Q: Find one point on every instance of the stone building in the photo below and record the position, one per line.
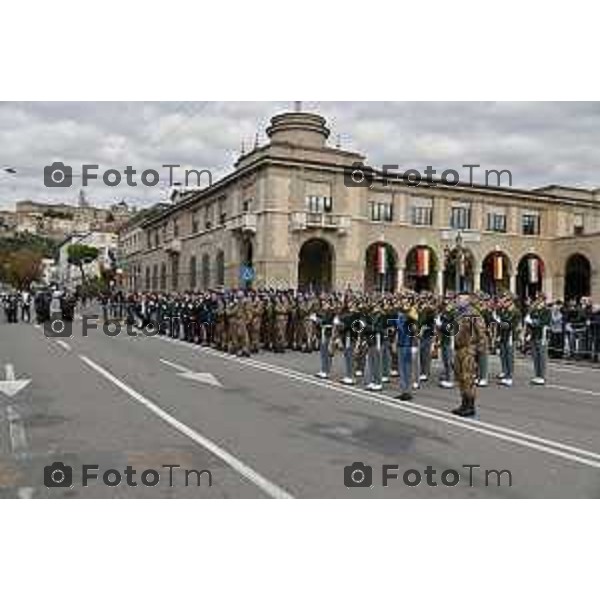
(295, 213)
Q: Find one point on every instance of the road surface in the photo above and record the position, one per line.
(265, 427)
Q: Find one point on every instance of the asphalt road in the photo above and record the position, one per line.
(266, 427)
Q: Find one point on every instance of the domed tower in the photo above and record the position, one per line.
(298, 129)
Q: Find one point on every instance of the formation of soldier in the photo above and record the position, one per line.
(377, 337)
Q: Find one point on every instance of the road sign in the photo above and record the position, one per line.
(246, 273)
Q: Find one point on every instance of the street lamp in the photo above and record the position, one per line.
(456, 256)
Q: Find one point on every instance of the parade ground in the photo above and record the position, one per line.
(265, 426)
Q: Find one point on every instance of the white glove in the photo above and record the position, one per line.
(528, 320)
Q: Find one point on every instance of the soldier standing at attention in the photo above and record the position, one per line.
(537, 321)
(468, 342)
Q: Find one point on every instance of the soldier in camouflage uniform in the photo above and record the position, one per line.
(468, 342)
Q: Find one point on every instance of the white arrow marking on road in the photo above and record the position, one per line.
(11, 386)
(208, 378)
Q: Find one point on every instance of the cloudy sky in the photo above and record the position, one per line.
(541, 143)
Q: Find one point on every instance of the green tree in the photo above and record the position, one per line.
(80, 255)
(21, 267)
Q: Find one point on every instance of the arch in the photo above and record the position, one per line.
(459, 270)
(421, 269)
(530, 276)
(496, 270)
(220, 268)
(246, 259)
(205, 271)
(578, 277)
(192, 273)
(315, 266)
(381, 268)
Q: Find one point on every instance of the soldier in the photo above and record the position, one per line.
(406, 324)
(349, 317)
(483, 308)
(446, 324)
(537, 321)
(468, 341)
(243, 316)
(281, 312)
(26, 306)
(508, 318)
(325, 316)
(426, 336)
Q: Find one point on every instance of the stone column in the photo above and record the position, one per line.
(400, 279)
(513, 284)
(547, 288)
(440, 281)
(477, 281)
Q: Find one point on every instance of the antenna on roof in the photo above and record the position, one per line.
(243, 148)
(338, 141)
(256, 140)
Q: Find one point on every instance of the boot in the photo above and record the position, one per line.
(461, 411)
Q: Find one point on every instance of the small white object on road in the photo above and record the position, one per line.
(11, 386)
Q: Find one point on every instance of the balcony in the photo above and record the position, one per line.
(299, 221)
(244, 223)
(173, 247)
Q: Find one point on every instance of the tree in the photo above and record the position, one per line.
(21, 267)
(80, 255)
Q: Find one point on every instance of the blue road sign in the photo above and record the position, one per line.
(246, 273)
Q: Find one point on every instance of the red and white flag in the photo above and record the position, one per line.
(534, 270)
(381, 259)
(422, 262)
(498, 267)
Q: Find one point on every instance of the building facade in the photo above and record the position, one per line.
(290, 215)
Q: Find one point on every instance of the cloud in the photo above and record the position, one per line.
(540, 142)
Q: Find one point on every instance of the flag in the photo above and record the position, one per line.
(422, 262)
(381, 259)
(498, 267)
(533, 266)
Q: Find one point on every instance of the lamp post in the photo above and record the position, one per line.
(459, 251)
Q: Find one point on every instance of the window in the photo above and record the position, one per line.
(421, 210)
(319, 204)
(192, 273)
(421, 215)
(207, 221)
(222, 212)
(195, 222)
(380, 211)
(148, 283)
(531, 224)
(149, 239)
(578, 228)
(175, 228)
(246, 205)
(496, 222)
(156, 240)
(460, 217)
(220, 267)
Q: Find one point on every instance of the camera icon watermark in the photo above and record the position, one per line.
(358, 475)
(58, 475)
(358, 175)
(57, 327)
(58, 175)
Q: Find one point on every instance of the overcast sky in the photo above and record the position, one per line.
(541, 143)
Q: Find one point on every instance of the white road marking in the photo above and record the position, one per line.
(186, 373)
(237, 465)
(63, 344)
(11, 386)
(572, 390)
(16, 428)
(37, 325)
(25, 493)
(565, 451)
